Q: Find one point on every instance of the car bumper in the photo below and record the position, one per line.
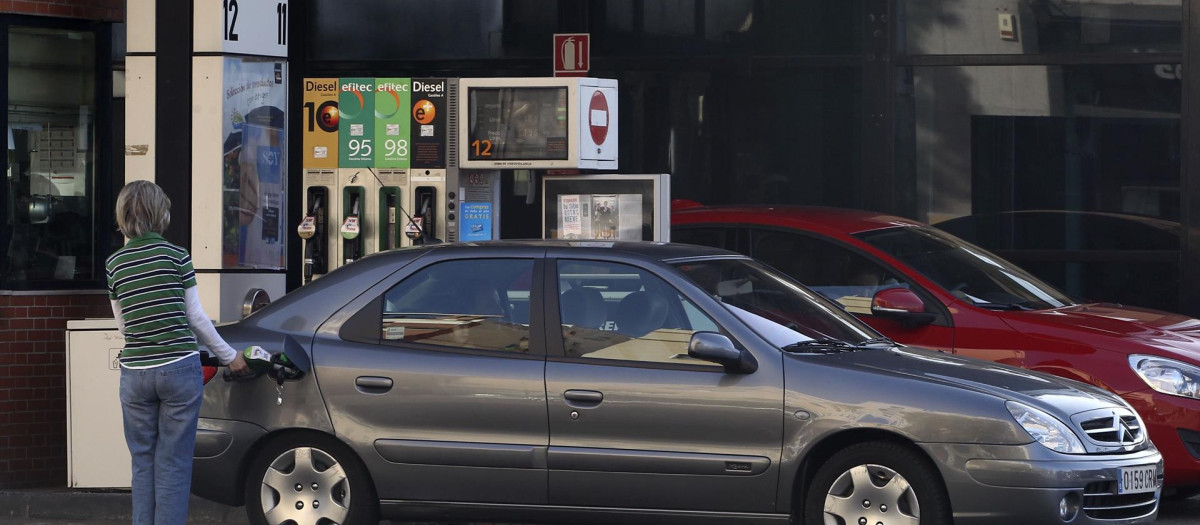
(1033, 483)
(219, 460)
(1171, 423)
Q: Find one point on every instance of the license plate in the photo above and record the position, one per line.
(1132, 480)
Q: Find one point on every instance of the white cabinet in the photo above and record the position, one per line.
(96, 453)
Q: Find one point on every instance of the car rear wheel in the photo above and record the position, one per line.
(309, 479)
(878, 482)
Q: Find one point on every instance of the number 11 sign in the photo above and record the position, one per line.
(244, 27)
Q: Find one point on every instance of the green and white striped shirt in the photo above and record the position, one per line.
(148, 278)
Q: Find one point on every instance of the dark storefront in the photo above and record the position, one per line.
(1058, 144)
(1052, 131)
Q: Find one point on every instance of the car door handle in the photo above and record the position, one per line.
(373, 385)
(583, 397)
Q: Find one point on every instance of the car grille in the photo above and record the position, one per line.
(1101, 502)
(1113, 430)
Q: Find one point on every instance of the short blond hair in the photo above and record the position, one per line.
(142, 207)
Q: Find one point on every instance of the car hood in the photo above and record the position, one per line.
(1056, 395)
(1135, 330)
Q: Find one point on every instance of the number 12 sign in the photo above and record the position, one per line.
(246, 27)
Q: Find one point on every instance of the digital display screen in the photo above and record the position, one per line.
(517, 123)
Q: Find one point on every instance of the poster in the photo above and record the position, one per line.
(570, 216)
(615, 217)
(254, 181)
(476, 221)
(392, 123)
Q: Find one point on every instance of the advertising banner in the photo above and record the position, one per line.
(476, 221)
(429, 112)
(254, 181)
(392, 97)
(321, 128)
(356, 124)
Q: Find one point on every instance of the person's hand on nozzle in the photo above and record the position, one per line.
(238, 366)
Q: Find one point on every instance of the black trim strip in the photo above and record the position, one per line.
(246, 55)
(516, 513)
(240, 271)
(141, 53)
(462, 454)
(654, 462)
(173, 114)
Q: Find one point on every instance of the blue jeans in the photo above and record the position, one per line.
(160, 407)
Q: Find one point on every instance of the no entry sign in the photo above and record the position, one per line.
(598, 117)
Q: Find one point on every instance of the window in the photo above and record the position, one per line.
(615, 311)
(828, 269)
(970, 27)
(50, 232)
(1075, 143)
(480, 304)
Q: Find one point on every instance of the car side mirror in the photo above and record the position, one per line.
(901, 305)
(716, 348)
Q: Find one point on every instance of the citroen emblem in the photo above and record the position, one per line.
(1127, 437)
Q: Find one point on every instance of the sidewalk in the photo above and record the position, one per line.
(70, 507)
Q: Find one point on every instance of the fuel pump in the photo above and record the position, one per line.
(389, 201)
(314, 230)
(358, 215)
(428, 206)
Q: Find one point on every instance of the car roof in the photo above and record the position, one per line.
(660, 251)
(844, 220)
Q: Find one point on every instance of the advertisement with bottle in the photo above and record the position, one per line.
(254, 181)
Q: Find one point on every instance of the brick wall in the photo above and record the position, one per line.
(106, 10)
(33, 406)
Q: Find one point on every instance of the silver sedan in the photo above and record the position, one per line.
(658, 383)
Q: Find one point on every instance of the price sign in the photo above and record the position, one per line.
(428, 125)
(392, 123)
(244, 27)
(321, 122)
(356, 125)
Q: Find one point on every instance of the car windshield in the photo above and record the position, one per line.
(776, 307)
(966, 271)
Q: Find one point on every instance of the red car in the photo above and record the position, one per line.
(923, 287)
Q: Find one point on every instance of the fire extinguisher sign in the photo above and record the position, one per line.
(572, 54)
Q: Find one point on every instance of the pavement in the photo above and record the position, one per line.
(112, 507)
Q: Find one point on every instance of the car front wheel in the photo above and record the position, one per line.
(877, 482)
(309, 479)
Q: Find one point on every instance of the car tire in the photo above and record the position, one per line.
(309, 479)
(878, 481)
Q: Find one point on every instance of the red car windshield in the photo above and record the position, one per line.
(776, 307)
(965, 270)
